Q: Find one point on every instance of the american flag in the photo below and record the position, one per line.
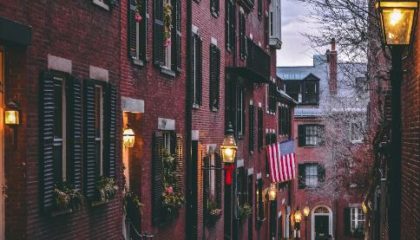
(282, 161)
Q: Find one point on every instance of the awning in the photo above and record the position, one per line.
(16, 33)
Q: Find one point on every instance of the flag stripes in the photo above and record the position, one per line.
(282, 161)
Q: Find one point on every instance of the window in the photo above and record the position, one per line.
(214, 7)
(214, 77)
(196, 70)
(311, 175)
(361, 85)
(356, 132)
(275, 24)
(293, 89)
(235, 105)
(284, 120)
(354, 221)
(260, 8)
(137, 32)
(311, 135)
(167, 170)
(240, 123)
(167, 35)
(242, 36)
(59, 141)
(230, 25)
(99, 118)
(310, 92)
(241, 186)
(260, 204)
(272, 100)
(212, 181)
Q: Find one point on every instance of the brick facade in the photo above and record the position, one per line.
(56, 31)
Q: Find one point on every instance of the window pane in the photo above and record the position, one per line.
(58, 153)
(58, 110)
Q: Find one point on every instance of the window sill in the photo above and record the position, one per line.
(137, 62)
(56, 213)
(166, 71)
(214, 13)
(99, 203)
(214, 109)
(356, 141)
(101, 4)
(196, 106)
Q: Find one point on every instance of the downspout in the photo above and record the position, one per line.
(188, 128)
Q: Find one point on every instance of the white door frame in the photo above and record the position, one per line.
(330, 220)
(2, 126)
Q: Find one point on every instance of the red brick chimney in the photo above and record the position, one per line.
(332, 67)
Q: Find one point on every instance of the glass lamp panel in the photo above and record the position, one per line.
(398, 23)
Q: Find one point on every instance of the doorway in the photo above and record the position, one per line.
(2, 174)
(321, 223)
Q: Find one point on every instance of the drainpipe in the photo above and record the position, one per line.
(190, 231)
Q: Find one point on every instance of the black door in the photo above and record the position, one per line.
(321, 227)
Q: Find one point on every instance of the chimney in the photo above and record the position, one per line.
(332, 67)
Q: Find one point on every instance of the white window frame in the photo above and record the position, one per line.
(167, 141)
(355, 222)
(168, 49)
(63, 140)
(274, 15)
(313, 183)
(100, 139)
(212, 177)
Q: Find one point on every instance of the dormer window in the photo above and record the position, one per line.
(310, 93)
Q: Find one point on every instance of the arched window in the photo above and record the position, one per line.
(321, 210)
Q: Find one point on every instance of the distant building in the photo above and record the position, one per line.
(329, 127)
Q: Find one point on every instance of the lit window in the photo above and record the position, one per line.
(357, 220)
(59, 145)
(99, 128)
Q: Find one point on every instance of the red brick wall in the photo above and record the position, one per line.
(164, 97)
(87, 35)
(410, 189)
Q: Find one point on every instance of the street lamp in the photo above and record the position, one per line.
(228, 148)
(272, 192)
(11, 114)
(397, 22)
(298, 219)
(128, 137)
(306, 212)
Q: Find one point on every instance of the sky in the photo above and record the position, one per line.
(296, 50)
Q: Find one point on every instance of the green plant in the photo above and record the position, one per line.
(167, 23)
(213, 210)
(132, 206)
(139, 9)
(172, 197)
(106, 187)
(244, 211)
(67, 197)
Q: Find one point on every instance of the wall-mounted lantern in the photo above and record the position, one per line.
(306, 211)
(228, 148)
(397, 20)
(11, 114)
(272, 192)
(298, 216)
(128, 137)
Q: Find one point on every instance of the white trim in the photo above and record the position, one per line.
(194, 29)
(101, 4)
(98, 73)
(195, 135)
(214, 41)
(59, 64)
(132, 105)
(166, 124)
(259, 175)
(240, 163)
(330, 220)
(250, 171)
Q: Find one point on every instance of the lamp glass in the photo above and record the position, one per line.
(272, 192)
(298, 216)
(11, 117)
(129, 137)
(306, 211)
(397, 21)
(228, 149)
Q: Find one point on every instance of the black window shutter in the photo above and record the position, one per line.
(206, 182)
(176, 36)
(157, 171)
(301, 135)
(47, 136)
(179, 152)
(347, 221)
(251, 128)
(214, 7)
(143, 30)
(302, 176)
(219, 180)
(111, 130)
(75, 144)
(227, 25)
(321, 173)
(158, 48)
(232, 27)
(214, 77)
(199, 69)
(89, 139)
(132, 32)
(260, 8)
(260, 128)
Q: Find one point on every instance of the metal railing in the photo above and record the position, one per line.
(133, 234)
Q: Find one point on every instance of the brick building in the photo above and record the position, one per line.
(57, 66)
(329, 125)
(378, 197)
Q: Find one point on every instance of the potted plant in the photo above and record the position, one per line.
(106, 188)
(213, 212)
(244, 211)
(132, 206)
(167, 24)
(66, 197)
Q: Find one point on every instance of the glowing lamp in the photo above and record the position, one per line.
(364, 208)
(228, 148)
(128, 137)
(397, 21)
(298, 216)
(306, 211)
(272, 192)
(11, 115)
